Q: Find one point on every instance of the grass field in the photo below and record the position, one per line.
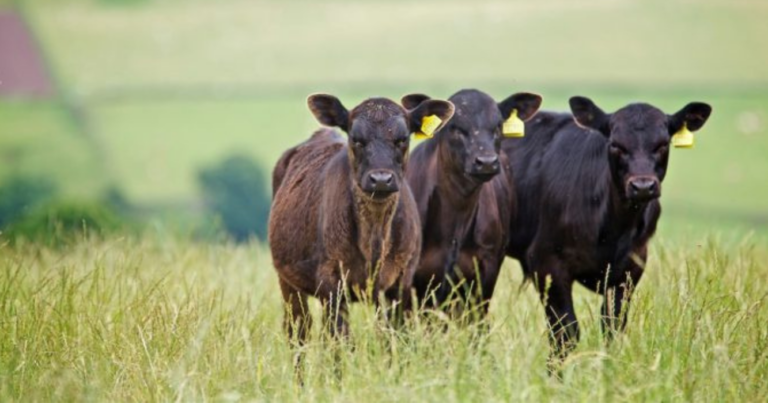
(161, 320)
(150, 91)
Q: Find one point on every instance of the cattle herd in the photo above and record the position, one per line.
(574, 197)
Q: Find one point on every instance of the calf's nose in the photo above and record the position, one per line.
(381, 178)
(486, 165)
(487, 160)
(644, 187)
(380, 182)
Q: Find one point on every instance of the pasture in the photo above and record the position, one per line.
(150, 91)
(162, 320)
(153, 90)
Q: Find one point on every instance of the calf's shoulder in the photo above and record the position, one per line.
(421, 175)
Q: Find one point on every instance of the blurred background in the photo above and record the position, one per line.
(123, 115)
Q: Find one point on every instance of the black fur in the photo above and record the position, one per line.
(588, 186)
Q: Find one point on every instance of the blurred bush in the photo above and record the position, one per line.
(19, 194)
(30, 210)
(59, 223)
(235, 191)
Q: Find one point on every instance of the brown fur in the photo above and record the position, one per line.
(325, 232)
(464, 203)
(462, 229)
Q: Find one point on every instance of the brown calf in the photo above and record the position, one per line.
(342, 214)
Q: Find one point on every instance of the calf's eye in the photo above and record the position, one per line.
(617, 149)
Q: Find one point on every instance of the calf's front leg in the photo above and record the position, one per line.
(617, 293)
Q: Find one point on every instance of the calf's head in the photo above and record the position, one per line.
(378, 132)
(638, 141)
(473, 136)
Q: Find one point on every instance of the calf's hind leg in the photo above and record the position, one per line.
(555, 290)
(297, 321)
(332, 296)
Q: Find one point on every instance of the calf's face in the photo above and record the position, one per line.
(379, 133)
(473, 136)
(638, 141)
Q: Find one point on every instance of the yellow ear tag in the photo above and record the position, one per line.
(514, 126)
(683, 138)
(428, 126)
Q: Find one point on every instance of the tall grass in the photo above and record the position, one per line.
(165, 320)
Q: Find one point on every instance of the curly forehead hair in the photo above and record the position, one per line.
(377, 110)
(639, 116)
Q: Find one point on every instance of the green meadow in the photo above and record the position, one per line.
(153, 90)
(162, 320)
(148, 92)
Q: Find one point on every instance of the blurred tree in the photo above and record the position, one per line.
(115, 199)
(19, 194)
(236, 191)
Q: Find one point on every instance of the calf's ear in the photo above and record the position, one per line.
(587, 114)
(429, 109)
(693, 115)
(411, 101)
(526, 104)
(329, 111)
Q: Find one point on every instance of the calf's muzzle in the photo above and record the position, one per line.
(380, 182)
(643, 188)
